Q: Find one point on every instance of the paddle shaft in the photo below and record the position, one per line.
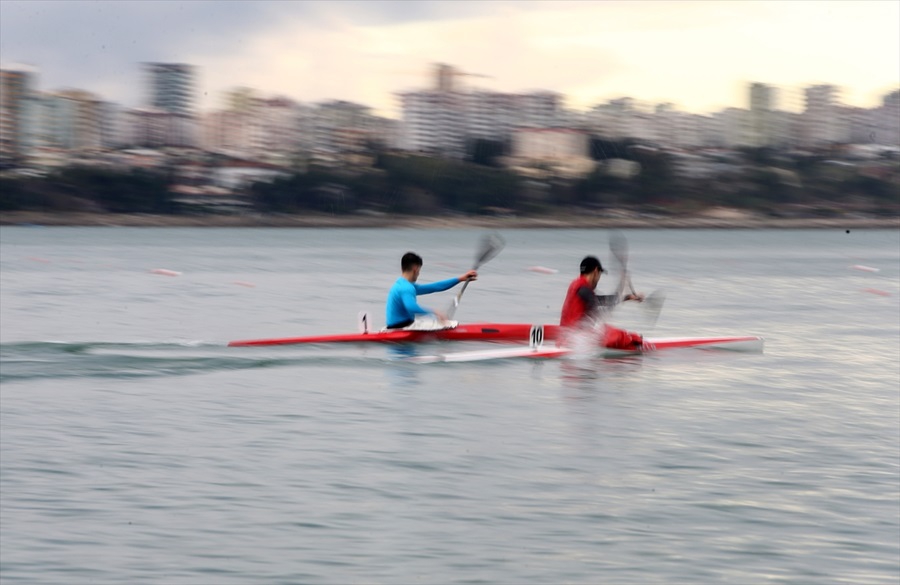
(618, 245)
(490, 247)
(459, 295)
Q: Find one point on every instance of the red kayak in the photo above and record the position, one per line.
(502, 332)
(534, 335)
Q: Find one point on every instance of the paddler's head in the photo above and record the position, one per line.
(411, 265)
(591, 269)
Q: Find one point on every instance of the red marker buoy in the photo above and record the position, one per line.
(542, 269)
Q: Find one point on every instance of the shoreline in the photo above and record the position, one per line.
(554, 221)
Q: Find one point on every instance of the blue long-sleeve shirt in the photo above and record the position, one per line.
(401, 301)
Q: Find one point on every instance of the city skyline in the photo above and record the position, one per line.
(368, 52)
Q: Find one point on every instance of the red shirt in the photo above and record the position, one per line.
(575, 307)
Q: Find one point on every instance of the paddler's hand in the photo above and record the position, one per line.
(469, 276)
(441, 317)
(639, 297)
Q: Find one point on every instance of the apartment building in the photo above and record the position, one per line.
(168, 112)
(822, 123)
(443, 120)
(157, 128)
(17, 87)
(252, 128)
(170, 87)
(71, 120)
(761, 124)
(279, 129)
(626, 118)
(886, 124)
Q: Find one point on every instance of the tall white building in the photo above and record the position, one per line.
(434, 122)
(170, 90)
(170, 87)
(444, 119)
(761, 119)
(822, 122)
(17, 90)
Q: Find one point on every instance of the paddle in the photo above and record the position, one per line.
(489, 246)
(652, 304)
(618, 245)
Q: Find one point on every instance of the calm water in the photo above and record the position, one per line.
(136, 448)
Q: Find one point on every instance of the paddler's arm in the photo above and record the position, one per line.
(607, 300)
(613, 300)
(413, 308)
(442, 285)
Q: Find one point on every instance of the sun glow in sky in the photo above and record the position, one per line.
(700, 56)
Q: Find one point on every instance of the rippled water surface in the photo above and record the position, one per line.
(135, 447)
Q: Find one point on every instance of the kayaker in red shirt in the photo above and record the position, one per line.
(582, 308)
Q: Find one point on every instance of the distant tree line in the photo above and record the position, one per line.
(759, 179)
(89, 189)
(399, 184)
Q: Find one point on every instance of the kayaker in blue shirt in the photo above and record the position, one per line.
(402, 307)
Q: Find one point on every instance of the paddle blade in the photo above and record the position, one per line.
(489, 246)
(652, 306)
(618, 245)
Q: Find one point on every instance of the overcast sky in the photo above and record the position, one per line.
(700, 55)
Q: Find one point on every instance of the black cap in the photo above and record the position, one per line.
(589, 264)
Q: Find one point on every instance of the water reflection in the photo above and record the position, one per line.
(399, 370)
(402, 351)
(592, 373)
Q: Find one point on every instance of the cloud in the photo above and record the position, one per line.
(91, 44)
(370, 63)
(697, 54)
(100, 44)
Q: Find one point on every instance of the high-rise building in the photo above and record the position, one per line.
(76, 120)
(168, 118)
(761, 120)
(170, 87)
(443, 119)
(17, 86)
(822, 122)
(253, 127)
